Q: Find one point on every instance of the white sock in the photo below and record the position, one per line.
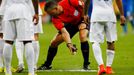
(110, 57)
(97, 53)
(36, 52)
(29, 53)
(19, 51)
(7, 54)
(1, 52)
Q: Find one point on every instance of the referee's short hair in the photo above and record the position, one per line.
(50, 5)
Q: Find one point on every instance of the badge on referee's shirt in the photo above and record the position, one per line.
(76, 13)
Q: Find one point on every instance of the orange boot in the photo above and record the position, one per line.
(101, 70)
(109, 70)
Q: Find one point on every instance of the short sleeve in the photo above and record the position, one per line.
(57, 23)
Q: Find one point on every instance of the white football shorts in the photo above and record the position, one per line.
(99, 29)
(20, 29)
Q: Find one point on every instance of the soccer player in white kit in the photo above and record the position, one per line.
(2, 42)
(20, 46)
(18, 16)
(103, 20)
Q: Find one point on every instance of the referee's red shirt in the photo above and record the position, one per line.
(72, 13)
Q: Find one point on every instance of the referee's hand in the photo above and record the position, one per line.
(72, 48)
(35, 19)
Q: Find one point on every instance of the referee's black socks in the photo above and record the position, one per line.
(50, 55)
(85, 52)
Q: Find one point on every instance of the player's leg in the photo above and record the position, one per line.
(97, 37)
(9, 35)
(36, 47)
(111, 36)
(29, 54)
(25, 33)
(19, 51)
(7, 54)
(37, 29)
(83, 34)
(52, 51)
(110, 57)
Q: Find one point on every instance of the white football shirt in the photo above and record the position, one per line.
(103, 11)
(14, 9)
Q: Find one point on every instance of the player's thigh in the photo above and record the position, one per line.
(9, 32)
(25, 30)
(111, 32)
(96, 32)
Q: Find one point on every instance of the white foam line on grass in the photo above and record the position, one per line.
(67, 70)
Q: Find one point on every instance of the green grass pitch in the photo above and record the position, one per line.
(123, 63)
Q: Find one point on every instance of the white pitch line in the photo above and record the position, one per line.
(67, 70)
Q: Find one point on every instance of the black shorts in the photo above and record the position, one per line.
(72, 29)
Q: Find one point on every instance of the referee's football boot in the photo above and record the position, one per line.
(86, 66)
(44, 67)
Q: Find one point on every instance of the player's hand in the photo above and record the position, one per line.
(123, 20)
(72, 48)
(35, 19)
